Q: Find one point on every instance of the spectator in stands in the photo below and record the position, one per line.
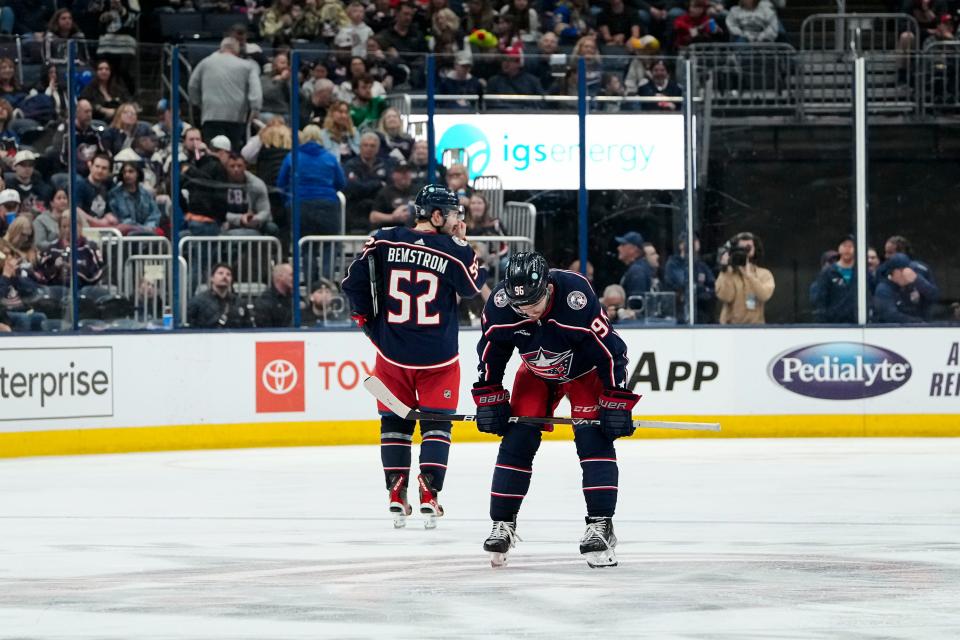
(315, 108)
(10, 88)
(276, 25)
(395, 143)
(586, 48)
(46, 226)
(339, 136)
(274, 307)
(479, 15)
(749, 21)
(204, 203)
(227, 89)
(93, 193)
(218, 307)
(696, 25)
(49, 86)
(827, 259)
(617, 24)
(612, 87)
(326, 306)
(320, 177)
(572, 19)
(457, 179)
(60, 30)
(548, 62)
(9, 208)
(389, 71)
(835, 294)
(873, 261)
(307, 21)
(117, 41)
(105, 93)
(525, 19)
(248, 204)
(513, 80)
(743, 287)
(675, 279)
(248, 50)
(402, 37)
(19, 283)
(33, 189)
(902, 294)
(658, 16)
(638, 71)
(420, 160)
(639, 276)
(393, 204)
(480, 222)
(276, 87)
(459, 81)
(652, 256)
(899, 244)
(88, 142)
(358, 31)
(31, 17)
(124, 127)
(614, 301)
(661, 85)
(268, 149)
(134, 207)
(9, 138)
(575, 267)
(366, 109)
(366, 175)
(447, 37)
(54, 266)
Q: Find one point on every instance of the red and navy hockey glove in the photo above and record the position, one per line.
(616, 419)
(493, 408)
(361, 321)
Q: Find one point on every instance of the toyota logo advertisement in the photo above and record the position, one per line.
(280, 385)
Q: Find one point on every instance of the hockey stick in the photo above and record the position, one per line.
(380, 391)
(374, 289)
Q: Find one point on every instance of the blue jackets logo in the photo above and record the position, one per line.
(471, 139)
(840, 371)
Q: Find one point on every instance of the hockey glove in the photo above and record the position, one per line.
(361, 321)
(493, 409)
(616, 419)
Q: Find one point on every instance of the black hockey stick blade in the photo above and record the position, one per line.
(380, 391)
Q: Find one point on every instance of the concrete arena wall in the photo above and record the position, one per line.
(160, 391)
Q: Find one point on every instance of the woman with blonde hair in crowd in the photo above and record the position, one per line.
(339, 136)
(267, 150)
(394, 141)
(124, 128)
(20, 236)
(586, 48)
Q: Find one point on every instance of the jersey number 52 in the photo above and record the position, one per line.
(395, 291)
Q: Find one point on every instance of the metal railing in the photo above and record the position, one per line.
(251, 257)
(116, 250)
(520, 219)
(861, 32)
(939, 77)
(746, 76)
(149, 281)
(491, 187)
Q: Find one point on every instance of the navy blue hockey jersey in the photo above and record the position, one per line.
(420, 276)
(570, 339)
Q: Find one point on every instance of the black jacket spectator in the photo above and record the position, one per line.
(205, 183)
(835, 297)
(902, 295)
(94, 198)
(273, 309)
(209, 311)
(55, 264)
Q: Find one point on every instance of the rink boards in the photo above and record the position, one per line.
(159, 391)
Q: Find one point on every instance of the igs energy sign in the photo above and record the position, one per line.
(638, 151)
(840, 370)
(40, 384)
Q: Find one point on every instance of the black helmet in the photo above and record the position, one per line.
(436, 196)
(525, 281)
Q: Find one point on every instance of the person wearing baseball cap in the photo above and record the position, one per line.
(33, 189)
(639, 275)
(834, 294)
(10, 203)
(221, 147)
(902, 294)
(393, 204)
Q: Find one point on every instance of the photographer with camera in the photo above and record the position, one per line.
(742, 287)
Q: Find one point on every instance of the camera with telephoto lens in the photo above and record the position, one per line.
(738, 254)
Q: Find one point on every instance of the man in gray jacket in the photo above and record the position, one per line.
(227, 89)
(248, 204)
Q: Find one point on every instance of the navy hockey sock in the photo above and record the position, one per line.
(396, 438)
(434, 451)
(598, 461)
(511, 476)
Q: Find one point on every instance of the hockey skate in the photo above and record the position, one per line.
(429, 507)
(503, 537)
(598, 543)
(399, 506)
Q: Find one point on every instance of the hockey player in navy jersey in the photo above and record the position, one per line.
(403, 290)
(568, 348)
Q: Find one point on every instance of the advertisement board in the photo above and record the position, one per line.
(242, 389)
(542, 151)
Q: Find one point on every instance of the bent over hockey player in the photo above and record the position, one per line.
(568, 348)
(403, 290)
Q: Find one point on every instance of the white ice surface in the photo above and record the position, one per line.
(732, 539)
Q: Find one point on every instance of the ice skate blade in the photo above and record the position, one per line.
(399, 521)
(600, 559)
(429, 521)
(498, 560)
